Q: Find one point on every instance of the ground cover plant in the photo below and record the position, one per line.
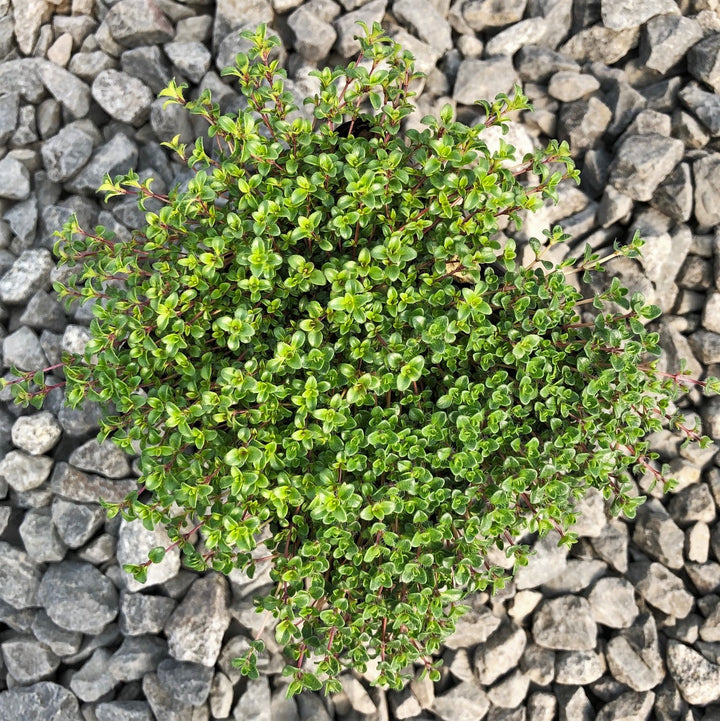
(318, 340)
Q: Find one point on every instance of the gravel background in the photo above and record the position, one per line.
(624, 626)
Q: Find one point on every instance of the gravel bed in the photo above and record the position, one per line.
(624, 626)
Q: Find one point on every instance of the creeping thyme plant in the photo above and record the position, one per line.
(319, 341)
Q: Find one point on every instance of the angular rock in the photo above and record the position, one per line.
(24, 472)
(134, 543)
(660, 588)
(660, 537)
(426, 21)
(136, 657)
(9, 107)
(475, 626)
(674, 196)
(548, 561)
(665, 39)
(628, 707)
(123, 711)
(107, 459)
(622, 14)
(578, 575)
(27, 660)
(643, 162)
(187, 682)
(703, 105)
(578, 668)
(148, 64)
(43, 700)
(195, 629)
(65, 153)
(565, 624)
(19, 577)
(568, 86)
(93, 680)
(704, 61)
(71, 93)
(231, 15)
(573, 703)
(14, 179)
(500, 653)
(346, 26)
(694, 503)
(481, 14)
(117, 156)
(58, 640)
(314, 37)
(23, 350)
(40, 537)
(600, 44)
(192, 59)
(582, 123)
(77, 597)
(138, 22)
(141, 614)
(706, 171)
(697, 678)
(612, 601)
(76, 522)
(163, 705)
(122, 96)
(483, 79)
(633, 656)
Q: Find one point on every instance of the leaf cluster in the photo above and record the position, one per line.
(319, 341)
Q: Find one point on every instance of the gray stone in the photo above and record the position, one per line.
(633, 656)
(65, 153)
(107, 459)
(483, 79)
(628, 707)
(548, 561)
(22, 219)
(346, 26)
(134, 543)
(197, 28)
(582, 123)
(136, 657)
(665, 39)
(706, 171)
(167, 122)
(88, 65)
(22, 75)
(541, 706)
(77, 597)
(509, 692)
(27, 660)
(706, 347)
(148, 64)
(600, 44)
(426, 21)
(117, 156)
(565, 623)
(578, 668)
(122, 96)
(93, 680)
(40, 537)
(481, 14)
(24, 472)
(674, 196)
(14, 179)
(538, 664)
(255, 702)
(710, 629)
(567, 86)
(703, 105)
(612, 601)
(58, 640)
(76, 523)
(73, 94)
(75, 485)
(231, 15)
(23, 350)
(141, 614)
(622, 14)
(704, 61)
(536, 64)
(512, 39)
(138, 22)
(123, 711)
(43, 700)
(192, 59)
(184, 681)
(578, 575)
(660, 538)
(163, 705)
(9, 107)
(694, 503)
(573, 704)
(353, 697)
(660, 588)
(613, 207)
(314, 37)
(643, 162)
(19, 577)
(500, 653)
(697, 678)
(686, 128)
(475, 626)
(196, 627)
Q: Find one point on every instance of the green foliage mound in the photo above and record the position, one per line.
(319, 342)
